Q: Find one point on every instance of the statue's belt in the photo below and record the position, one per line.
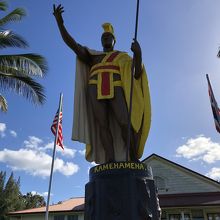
(106, 77)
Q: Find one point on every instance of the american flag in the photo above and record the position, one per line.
(214, 106)
(60, 131)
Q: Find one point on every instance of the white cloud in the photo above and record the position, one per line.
(37, 144)
(2, 129)
(13, 133)
(36, 163)
(33, 159)
(214, 173)
(200, 148)
(33, 142)
(44, 194)
(69, 152)
(82, 152)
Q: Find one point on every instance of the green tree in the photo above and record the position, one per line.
(11, 197)
(33, 201)
(17, 70)
(12, 194)
(2, 183)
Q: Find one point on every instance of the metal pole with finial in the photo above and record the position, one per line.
(131, 88)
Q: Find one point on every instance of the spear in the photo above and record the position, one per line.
(131, 89)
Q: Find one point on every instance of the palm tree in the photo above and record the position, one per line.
(17, 70)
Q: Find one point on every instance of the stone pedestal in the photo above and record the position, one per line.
(120, 191)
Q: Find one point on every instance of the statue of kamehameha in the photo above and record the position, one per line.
(102, 95)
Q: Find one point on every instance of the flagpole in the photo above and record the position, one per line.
(131, 88)
(54, 152)
(207, 77)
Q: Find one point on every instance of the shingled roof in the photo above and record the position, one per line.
(190, 199)
(73, 204)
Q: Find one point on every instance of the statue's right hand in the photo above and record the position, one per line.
(57, 12)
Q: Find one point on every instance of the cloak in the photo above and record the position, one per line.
(86, 130)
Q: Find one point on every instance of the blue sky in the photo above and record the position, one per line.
(179, 41)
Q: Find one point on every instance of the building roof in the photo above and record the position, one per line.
(73, 204)
(187, 170)
(189, 199)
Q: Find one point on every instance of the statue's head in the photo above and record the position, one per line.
(108, 37)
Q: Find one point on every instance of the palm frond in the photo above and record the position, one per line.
(16, 15)
(23, 85)
(12, 70)
(3, 104)
(3, 6)
(16, 69)
(10, 39)
(28, 64)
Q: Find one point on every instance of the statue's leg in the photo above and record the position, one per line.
(100, 111)
(120, 111)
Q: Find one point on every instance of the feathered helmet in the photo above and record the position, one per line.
(107, 27)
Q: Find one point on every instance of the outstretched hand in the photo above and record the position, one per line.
(57, 12)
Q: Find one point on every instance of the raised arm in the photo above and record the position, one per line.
(81, 52)
(135, 47)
